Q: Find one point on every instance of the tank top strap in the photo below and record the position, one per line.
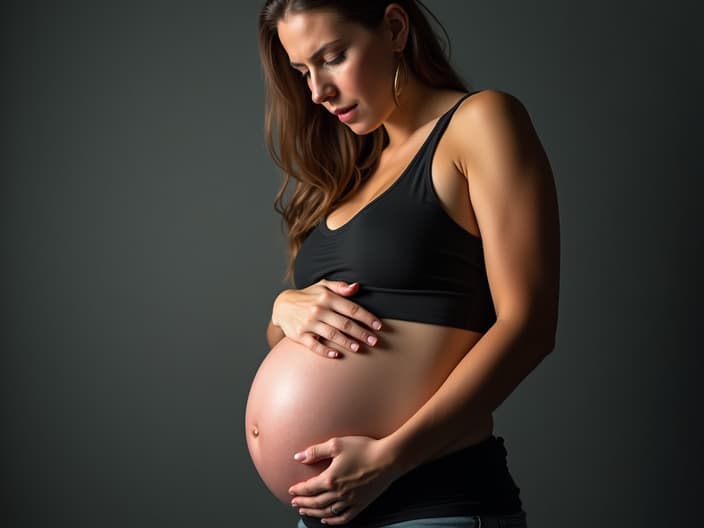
(441, 125)
(421, 186)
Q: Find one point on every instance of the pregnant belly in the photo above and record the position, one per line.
(299, 398)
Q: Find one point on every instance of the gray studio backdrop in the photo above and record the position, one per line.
(141, 254)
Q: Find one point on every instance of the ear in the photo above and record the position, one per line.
(396, 22)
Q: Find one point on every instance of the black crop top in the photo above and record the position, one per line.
(411, 259)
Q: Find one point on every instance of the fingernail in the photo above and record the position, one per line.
(376, 325)
(299, 456)
(371, 340)
(294, 504)
(350, 285)
(333, 354)
(354, 346)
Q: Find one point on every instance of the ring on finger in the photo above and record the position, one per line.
(334, 510)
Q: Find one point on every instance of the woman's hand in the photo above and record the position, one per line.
(320, 318)
(360, 470)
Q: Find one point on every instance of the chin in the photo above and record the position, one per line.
(361, 129)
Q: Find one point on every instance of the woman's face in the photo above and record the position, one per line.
(345, 65)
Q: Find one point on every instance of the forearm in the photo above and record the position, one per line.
(480, 382)
(274, 334)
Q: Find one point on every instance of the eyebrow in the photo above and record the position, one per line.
(322, 49)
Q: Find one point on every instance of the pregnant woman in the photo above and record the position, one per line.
(424, 248)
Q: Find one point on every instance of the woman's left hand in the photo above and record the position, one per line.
(360, 470)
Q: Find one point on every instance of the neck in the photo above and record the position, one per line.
(418, 104)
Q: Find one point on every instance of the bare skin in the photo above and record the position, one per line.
(493, 178)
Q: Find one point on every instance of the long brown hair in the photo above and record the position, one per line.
(325, 158)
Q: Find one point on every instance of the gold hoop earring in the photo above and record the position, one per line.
(397, 89)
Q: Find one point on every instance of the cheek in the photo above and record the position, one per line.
(372, 78)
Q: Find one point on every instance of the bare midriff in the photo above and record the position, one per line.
(299, 398)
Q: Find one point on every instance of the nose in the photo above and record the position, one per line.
(321, 89)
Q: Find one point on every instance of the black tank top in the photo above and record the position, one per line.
(411, 259)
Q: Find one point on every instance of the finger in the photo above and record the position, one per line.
(313, 342)
(343, 330)
(318, 502)
(334, 347)
(349, 308)
(340, 287)
(341, 342)
(342, 515)
(356, 312)
(343, 518)
(328, 328)
(310, 488)
(315, 486)
(360, 333)
(318, 452)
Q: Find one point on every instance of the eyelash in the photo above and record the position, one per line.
(336, 60)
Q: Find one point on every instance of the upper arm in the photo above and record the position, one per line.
(515, 202)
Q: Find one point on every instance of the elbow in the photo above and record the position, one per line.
(549, 345)
(541, 341)
(549, 330)
(543, 336)
(537, 333)
(541, 327)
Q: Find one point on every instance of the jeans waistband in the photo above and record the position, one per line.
(514, 520)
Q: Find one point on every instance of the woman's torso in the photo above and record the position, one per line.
(299, 398)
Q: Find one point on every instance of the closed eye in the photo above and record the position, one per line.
(337, 59)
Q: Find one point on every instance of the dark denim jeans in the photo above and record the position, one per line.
(513, 520)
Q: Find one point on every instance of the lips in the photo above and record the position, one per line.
(339, 111)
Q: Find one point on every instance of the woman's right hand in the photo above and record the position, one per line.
(320, 318)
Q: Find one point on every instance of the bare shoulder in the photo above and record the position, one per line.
(489, 122)
(488, 106)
